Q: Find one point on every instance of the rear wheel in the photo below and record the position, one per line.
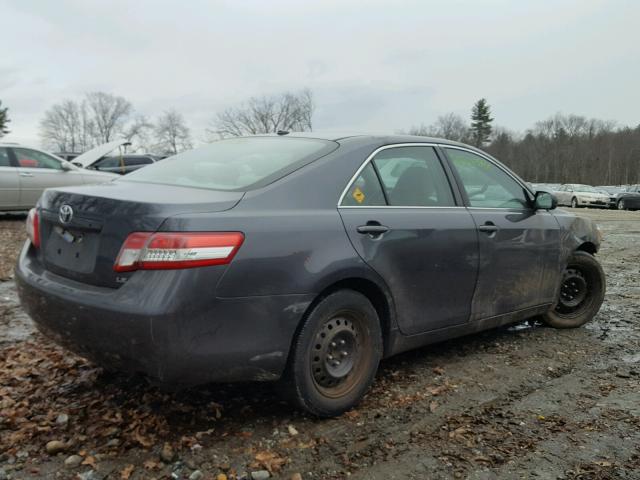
(621, 205)
(335, 355)
(574, 202)
(581, 293)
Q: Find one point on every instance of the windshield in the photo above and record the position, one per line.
(235, 164)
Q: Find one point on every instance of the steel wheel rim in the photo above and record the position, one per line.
(338, 355)
(575, 291)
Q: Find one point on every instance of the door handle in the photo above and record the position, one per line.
(373, 229)
(488, 227)
(26, 174)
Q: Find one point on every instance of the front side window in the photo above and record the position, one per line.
(413, 177)
(235, 164)
(107, 162)
(28, 158)
(486, 185)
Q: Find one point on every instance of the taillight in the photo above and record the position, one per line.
(163, 251)
(33, 227)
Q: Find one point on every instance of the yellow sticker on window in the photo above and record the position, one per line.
(358, 195)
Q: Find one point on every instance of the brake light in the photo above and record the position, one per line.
(164, 251)
(33, 227)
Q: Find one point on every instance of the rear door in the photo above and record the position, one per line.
(9, 182)
(519, 246)
(38, 171)
(401, 215)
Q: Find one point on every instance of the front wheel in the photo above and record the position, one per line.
(581, 293)
(574, 202)
(621, 205)
(335, 355)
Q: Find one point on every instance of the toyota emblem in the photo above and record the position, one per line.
(65, 214)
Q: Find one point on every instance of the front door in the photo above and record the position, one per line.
(519, 246)
(9, 183)
(402, 219)
(38, 171)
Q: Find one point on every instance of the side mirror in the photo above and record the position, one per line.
(544, 201)
(65, 166)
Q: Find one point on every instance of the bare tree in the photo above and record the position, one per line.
(110, 114)
(4, 120)
(268, 114)
(140, 133)
(65, 126)
(172, 134)
(449, 126)
(78, 126)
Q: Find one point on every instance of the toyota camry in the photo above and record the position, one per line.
(301, 258)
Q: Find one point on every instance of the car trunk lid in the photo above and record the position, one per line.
(83, 228)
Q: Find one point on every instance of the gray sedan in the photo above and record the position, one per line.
(304, 259)
(25, 172)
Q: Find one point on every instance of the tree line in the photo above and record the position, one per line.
(79, 125)
(560, 149)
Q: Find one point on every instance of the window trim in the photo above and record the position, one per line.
(494, 162)
(370, 158)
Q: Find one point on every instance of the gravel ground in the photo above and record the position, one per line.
(519, 402)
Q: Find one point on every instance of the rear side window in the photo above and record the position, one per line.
(4, 158)
(235, 164)
(365, 191)
(413, 176)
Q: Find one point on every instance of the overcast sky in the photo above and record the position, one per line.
(372, 66)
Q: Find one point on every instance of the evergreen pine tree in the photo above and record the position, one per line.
(4, 120)
(481, 122)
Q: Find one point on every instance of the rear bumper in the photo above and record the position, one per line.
(168, 325)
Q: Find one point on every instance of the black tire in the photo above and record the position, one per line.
(313, 380)
(574, 203)
(621, 205)
(581, 293)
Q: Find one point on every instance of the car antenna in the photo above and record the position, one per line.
(282, 132)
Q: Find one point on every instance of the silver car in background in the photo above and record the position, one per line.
(26, 171)
(577, 195)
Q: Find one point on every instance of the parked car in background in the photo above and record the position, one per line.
(26, 171)
(577, 195)
(305, 258)
(123, 164)
(623, 197)
(629, 199)
(103, 158)
(545, 187)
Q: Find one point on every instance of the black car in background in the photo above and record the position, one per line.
(629, 198)
(303, 258)
(124, 164)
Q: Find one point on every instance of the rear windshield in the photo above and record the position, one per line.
(235, 164)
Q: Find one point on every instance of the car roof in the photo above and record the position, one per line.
(385, 137)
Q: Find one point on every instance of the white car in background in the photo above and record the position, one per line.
(26, 171)
(577, 195)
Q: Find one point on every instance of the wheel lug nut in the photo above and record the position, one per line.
(333, 344)
(342, 342)
(330, 357)
(343, 353)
